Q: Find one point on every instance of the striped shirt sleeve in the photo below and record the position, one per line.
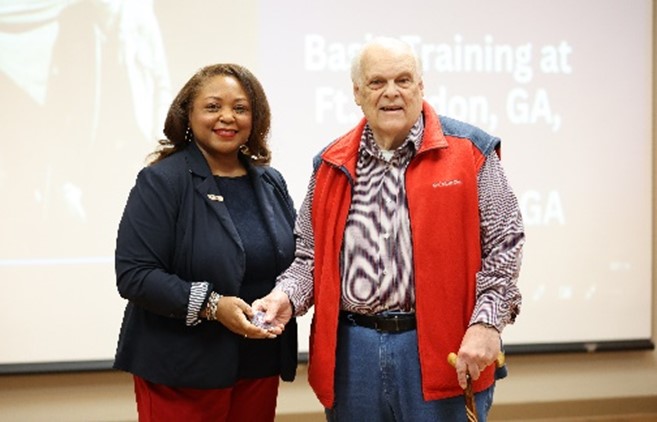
(297, 280)
(197, 296)
(502, 237)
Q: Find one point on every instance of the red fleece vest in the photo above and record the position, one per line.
(441, 184)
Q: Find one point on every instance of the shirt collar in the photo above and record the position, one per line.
(407, 149)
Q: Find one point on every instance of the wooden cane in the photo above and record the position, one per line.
(470, 406)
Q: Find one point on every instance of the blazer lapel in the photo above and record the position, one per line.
(209, 191)
(265, 196)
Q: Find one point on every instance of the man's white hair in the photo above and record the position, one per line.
(387, 43)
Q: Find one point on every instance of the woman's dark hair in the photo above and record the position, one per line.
(177, 121)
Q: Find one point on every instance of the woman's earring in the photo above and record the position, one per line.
(189, 136)
(246, 151)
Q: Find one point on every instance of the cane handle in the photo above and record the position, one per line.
(451, 358)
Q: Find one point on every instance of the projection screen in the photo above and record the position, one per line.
(85, 85)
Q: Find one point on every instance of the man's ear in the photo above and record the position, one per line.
(356, 95)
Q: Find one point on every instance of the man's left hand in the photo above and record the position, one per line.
(479, 348)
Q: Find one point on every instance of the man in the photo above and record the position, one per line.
(409, 245)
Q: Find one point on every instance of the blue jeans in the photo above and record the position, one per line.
(377, 378)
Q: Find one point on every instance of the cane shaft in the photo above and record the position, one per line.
(470, 406)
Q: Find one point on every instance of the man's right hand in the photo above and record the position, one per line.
(277, 308)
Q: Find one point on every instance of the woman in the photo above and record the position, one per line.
(206, 230)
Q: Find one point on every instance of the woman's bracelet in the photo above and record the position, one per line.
(211, 310)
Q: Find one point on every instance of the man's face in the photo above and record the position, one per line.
(389, 91)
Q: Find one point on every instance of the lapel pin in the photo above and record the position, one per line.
(213, 197)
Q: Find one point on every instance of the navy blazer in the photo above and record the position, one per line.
(175, 231)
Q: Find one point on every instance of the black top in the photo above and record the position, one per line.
(257, 357)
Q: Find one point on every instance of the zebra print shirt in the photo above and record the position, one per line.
(378, 220)
(376, 259)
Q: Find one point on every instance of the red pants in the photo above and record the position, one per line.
(248, 400)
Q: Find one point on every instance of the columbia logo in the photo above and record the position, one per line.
(446, 183)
